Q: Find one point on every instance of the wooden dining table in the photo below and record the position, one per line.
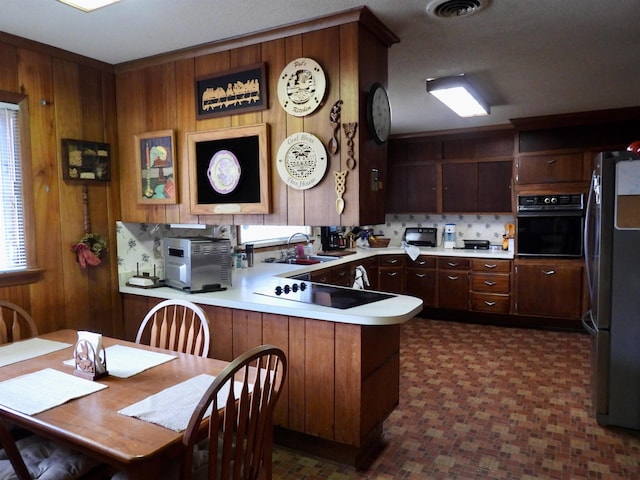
(92, 425)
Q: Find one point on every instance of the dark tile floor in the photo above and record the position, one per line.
(481, 401)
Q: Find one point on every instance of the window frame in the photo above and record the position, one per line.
(32, 272)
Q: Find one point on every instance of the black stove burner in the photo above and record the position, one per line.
(325, 295)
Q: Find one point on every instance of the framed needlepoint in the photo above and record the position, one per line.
(156, 176)
(229, 170)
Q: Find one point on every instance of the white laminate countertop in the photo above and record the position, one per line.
(266, 276)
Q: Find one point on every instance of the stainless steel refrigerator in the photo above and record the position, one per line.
(612, 255)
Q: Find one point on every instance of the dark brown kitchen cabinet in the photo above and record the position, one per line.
(421, 279)
(477, 186)
(340, 275)
(453, 283)
(391, 273)
(490, 285)
(412, 189)
(551, 168)
(549, 288)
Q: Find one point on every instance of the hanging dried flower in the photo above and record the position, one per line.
(89, 249)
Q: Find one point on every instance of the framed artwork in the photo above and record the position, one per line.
(84, 161)
(156, 176)
(229, 171)
(236, 91)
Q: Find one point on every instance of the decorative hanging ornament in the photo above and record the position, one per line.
(301, 87)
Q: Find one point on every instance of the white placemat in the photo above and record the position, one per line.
(124, 362)
(172, 407)
(39, 391)
(26, 349)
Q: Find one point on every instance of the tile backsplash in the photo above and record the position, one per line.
(139, 245)
(468, 227)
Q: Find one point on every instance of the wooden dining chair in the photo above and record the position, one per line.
(34, 457)
(240, 431)
(15, 323)
(177, 325)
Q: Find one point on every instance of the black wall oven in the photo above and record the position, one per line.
(550, 225)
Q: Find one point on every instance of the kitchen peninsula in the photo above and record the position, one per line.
(344, 364)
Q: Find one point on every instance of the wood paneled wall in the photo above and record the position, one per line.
(69, 97)
(159, 93)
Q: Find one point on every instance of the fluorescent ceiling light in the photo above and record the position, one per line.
(88, 5)
(459, 95)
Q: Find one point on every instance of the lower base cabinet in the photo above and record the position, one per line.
(343, 379)
(490, 285)
(453, 283)
(549, 289)
(421, 279)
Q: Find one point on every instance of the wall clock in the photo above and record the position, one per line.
(378, 113)
(301, 87)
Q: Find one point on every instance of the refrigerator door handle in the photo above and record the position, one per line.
(587, 323)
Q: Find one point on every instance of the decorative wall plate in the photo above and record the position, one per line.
(301, 87)
(224, 172)
(302, 160)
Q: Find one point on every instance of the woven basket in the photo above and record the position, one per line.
(379, 242)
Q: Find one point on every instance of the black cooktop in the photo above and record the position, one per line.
(324, 295)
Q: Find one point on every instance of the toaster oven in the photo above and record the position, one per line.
(197, 264)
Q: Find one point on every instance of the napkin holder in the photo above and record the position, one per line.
(90, 365)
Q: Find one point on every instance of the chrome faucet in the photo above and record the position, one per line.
(291, 237)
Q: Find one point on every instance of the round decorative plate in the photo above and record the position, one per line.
(302, 160)
(301, 87)
(224, 172)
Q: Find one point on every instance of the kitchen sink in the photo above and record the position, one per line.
(308, 260)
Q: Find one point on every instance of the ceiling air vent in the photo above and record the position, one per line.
(454, 8)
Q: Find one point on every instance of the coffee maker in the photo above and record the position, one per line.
(331, 238)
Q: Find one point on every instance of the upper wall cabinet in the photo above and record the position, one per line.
(453, 173)
(551, 168)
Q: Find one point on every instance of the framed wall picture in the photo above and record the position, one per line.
(236, 91)
(84, 161)
(156, 175)
(229, 171)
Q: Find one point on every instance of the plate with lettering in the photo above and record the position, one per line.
(301, 87)
(301, 160)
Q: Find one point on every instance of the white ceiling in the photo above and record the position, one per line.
(530, 57)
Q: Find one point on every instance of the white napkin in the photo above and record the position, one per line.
(95, 339)
(26, 349)
(39, 391)
(172, 407)
(411, 250)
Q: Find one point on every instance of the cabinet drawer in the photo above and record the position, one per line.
(490, 283)
(486, 265)
(486, 302)
(453, 263)
(391, 261)
(423, 261)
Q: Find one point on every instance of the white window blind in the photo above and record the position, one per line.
(13, 254)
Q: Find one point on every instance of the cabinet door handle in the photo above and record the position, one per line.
(451, 264)
(421, 275)
(549, 272)
(342, 274)
(392, 262)
(487, 265)
(452, 277)
(551, 162)
(392, 274)
(489, 304)
(422, 262)
(489, 284)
